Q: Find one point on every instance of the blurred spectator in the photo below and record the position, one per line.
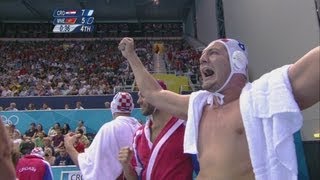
(65, 129)
(66, 107)
(45, 107)
(48, 144)
(14, 133)
(63, 158)
(30, 132)
(82, 138)
(52, 131)
(107, 105)
(31, 107)
(12, 107)
(81, 126)
(39, 129)
(48, 156)
(38, 141)
(57, 140)
(79, 105)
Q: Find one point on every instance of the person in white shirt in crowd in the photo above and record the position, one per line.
(12, 107)
(45, 107)
(79, 105)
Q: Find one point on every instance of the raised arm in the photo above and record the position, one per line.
(6, 165)
(167, 101)
(304, 78)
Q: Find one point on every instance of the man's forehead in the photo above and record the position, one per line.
(215, 45)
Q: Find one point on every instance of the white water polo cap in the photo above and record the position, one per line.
(238, 58)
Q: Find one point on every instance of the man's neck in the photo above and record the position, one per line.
(159, 119)
(233, 89)
(115, 115)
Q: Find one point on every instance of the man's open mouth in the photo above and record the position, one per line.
(208, 72)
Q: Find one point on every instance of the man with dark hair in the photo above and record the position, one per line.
(157, 148)
(26, 147)
(31, 131)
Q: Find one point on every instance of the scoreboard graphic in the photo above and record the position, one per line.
(73, 20)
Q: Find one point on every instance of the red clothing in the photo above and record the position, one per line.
(32, 167)
(169, 162)
(79, 147)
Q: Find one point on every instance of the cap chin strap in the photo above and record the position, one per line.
(217, 95)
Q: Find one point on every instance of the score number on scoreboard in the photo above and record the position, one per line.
(73, 20)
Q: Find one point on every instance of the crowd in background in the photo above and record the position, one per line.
(182, 58)
(55, 68)
(51, 142)
(51, 68)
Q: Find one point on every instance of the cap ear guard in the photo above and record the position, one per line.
(239, 61)
(237, 56)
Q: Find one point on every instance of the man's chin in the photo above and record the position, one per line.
(205, 86)
(208, 87)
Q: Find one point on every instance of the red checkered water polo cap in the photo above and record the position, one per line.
(122, 102)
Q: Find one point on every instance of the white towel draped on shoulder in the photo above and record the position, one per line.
(271, 116)
(100, 160)
(196, 103)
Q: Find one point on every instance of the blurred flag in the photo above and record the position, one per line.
(70, 20)
(71, 12)
(90, 12)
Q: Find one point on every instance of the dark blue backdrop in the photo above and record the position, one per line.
(58, 102)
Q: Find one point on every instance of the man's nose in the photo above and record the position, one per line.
(203, 59)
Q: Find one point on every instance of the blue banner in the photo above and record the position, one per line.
(93, 119)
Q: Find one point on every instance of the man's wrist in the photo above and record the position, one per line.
(128, 170)
(68, 146)
(127, 166)
(132, 56)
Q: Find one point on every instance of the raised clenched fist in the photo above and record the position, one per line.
(126, 46)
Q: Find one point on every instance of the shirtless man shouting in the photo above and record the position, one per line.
(233, 125)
